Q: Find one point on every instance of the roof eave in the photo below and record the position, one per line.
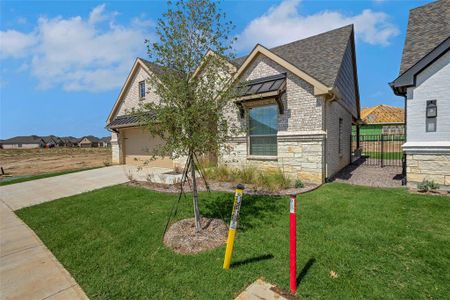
(408, 78)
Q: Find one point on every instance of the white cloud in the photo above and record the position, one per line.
(77, 54)
(283, 23)
(14, 43)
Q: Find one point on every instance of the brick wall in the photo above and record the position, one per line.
(131, 98)
(336, 160)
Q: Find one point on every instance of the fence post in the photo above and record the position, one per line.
(382, 150)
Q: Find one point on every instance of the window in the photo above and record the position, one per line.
(263, 128)
(142, 89)
(340, 136)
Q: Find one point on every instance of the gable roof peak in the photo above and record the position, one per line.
(320, 56)
(428, 27)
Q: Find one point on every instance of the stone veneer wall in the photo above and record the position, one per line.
(300, 141)
(421, 167)
(299, 157)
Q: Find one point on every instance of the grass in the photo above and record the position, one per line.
(382, 244)
(13, 180)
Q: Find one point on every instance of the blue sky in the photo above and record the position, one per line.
(63, 62)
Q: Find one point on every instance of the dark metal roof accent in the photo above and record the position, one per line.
(408, 78)
(428, 26)
(123, 121)
(320, 55)
(253, 90)
(261, 85)
(126, 121)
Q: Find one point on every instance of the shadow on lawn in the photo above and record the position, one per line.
(254, 209)
(305, 270)
(251, 260)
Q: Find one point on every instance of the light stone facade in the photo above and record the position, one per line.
(131, 98)
(434, 167)
(308, 136)
(307, 140)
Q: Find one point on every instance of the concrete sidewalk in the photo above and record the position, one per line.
(28, 270)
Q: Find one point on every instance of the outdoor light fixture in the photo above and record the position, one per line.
(431, 109)
(431, 114)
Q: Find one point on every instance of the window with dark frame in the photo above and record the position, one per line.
(263, 129)
(142, 89)
(340, 136)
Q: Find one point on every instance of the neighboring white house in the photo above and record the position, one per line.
(23, 142)
(300, 100)
(424, 81)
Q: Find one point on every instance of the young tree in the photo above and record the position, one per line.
(193, 88)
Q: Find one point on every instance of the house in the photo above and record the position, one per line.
(105, 141)
(53, 141)
(300, 100)
(424, 82)
(382, 119)
(23, 142)
(70, 141)
(88, 142)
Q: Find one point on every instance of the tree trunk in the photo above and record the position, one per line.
(195, 196)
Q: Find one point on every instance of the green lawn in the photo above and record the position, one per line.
(382, 243)
(18, 179)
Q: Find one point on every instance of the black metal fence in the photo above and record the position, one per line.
(379, 150)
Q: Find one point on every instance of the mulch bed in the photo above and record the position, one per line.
(220, 187)
(182, 238)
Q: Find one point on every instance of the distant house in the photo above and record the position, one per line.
(382, 119)
(105, 141)
(424, 82)
(53, 141)
(89, 141)
(70, 141)
(23, 142)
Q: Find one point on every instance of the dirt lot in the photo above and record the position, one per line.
(19, 162)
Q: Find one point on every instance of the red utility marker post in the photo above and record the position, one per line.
(293, 244)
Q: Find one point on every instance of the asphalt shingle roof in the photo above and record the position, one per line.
(152, 66)
(319, 56)
(428, 26)
(31, 139)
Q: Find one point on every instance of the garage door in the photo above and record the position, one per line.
(138, 146)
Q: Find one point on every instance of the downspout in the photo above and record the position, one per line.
(404, 163)
(332, 97)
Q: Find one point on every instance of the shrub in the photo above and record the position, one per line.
(427, 185)
(299, 184)
(271, 180)
(247, 174)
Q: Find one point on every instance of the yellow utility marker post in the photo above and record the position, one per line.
(233, 225)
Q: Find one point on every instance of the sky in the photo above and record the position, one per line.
(63, 63)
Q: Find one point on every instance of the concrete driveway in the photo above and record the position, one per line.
(28, 270)
(17, 196)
